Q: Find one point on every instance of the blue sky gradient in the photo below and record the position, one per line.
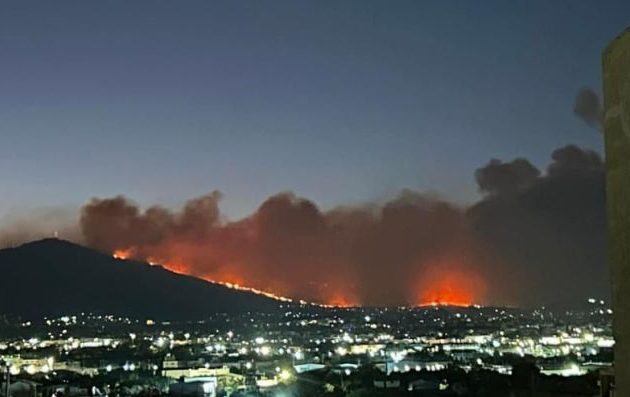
(341, 102)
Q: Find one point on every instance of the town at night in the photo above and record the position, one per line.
(310, 351)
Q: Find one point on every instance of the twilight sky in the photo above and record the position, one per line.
(338, 101)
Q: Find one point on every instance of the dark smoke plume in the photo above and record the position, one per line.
(535, 237)
(551, 230)
(371, 255)
(531, 232)
(589, 108)
(498, 177)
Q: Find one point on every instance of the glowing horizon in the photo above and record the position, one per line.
(442, 293)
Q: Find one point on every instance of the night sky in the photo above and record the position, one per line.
(338, 101)
(429, 144)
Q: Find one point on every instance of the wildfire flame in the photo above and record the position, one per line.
(448, 286)
(179, 268)
(122, 254)
(340, 301)
(442, 286)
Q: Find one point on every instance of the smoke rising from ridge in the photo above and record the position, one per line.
(375, 255)
(551, 231)
(531, 231)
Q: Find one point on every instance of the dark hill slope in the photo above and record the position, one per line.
(55, 277)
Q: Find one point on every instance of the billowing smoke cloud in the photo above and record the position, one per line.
(535, 237)
(589, 108)
(110, 224)
(498, 177)
(551, 230)
(409, 250)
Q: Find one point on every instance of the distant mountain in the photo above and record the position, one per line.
(55, 277)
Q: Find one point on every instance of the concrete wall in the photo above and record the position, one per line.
(616, 65)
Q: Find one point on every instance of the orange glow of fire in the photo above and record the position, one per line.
(340, 301)
(440, 286)
(175, 267)
(249, 289)
(122, 254)
(180, 268)
(452, 287)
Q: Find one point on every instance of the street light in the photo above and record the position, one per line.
(347, 372)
